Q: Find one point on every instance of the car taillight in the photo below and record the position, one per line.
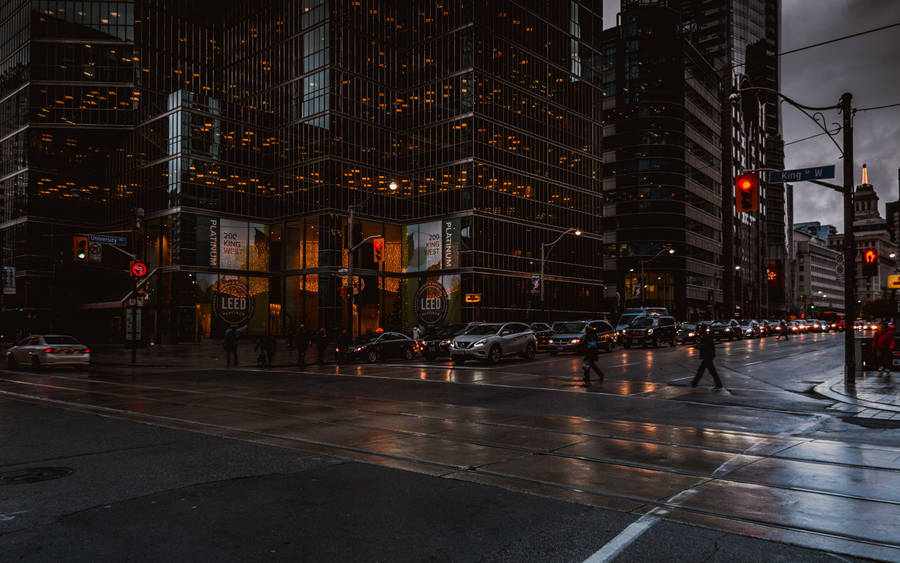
(87, 350)
(49, 350)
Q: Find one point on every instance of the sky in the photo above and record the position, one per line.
(867, 66)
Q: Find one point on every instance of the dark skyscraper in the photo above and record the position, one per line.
(244, 132)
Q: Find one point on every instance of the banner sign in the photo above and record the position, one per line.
(431, 303)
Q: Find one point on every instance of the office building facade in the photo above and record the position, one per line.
(239, 136)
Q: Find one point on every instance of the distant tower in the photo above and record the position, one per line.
(865, 180)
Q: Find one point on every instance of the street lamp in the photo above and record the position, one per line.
(643, 280)
(546, 247)
(351, 298)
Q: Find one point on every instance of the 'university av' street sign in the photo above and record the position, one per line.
(801, 174)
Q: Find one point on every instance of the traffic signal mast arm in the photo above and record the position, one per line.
(365, 240)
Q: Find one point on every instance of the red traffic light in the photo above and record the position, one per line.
(746, 192)
(870, 262)
(378, 250)
(870, 257)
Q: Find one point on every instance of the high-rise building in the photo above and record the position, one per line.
(817, 229)
(742, 38)
(241, 135)
(662, 165)
(818, 287)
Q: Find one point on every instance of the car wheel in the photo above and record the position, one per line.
(494, 355)
(529, 352)
(407, 353)
(35, 363)
(11, 362)
(372, 356)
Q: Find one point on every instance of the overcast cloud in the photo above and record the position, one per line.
(869, 68)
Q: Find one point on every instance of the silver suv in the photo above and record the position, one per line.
(493, 342)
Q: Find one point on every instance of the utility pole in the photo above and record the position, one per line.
(849, 246)
(350, 289)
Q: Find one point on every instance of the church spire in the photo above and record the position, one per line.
(865, 179)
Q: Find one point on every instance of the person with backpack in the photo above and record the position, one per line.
(230, 343)
(883, 345)
(591, 352)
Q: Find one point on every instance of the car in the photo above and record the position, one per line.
(727, 330)
(795, 327)
(40, 351)
(492, 342)
(688, 333)
(376, 346)
(650, 331)
(765, 329)
(568, 336)
(437, 343)
(750, 328)
(542, 333)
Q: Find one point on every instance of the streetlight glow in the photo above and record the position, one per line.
(393, 186)
(577, 232)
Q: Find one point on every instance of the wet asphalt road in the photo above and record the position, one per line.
(416, 461)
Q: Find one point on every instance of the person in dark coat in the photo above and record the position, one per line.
(321, 345)
(266, 347)
(591, 352)
(230, 343)
(707, 354)
(344, 341)
(302, 343)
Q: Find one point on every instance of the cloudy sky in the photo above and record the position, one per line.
(867, 66)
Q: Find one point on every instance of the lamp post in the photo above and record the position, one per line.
(351, 297)
(546, 247)
(643, 280)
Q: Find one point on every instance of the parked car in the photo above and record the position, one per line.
(494, 341)
(376, 346)
(568, 336)
(795, 327)
(650, 331)
(542, 333)
(40, 351)
(750, 328)
(727, 330)
(687, 333)
(437, 343)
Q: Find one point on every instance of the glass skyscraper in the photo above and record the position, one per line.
(239, 136)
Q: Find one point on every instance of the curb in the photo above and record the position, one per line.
(825, 390)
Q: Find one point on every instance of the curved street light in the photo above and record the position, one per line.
(546, 247)
(643, 280)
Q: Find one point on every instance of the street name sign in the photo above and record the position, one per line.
(107, 239)
(801, 174)
(894, 281)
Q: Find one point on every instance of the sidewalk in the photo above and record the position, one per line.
(199, 355)
(873, 398)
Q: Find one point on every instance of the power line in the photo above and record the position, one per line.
(879, 107)
(838, 39)
(805, 138)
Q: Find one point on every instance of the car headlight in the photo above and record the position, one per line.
(576, 340)
(481, 342)
(550, 341)
(359, 348)
(727, 330)
(650, 331)
(446, 342)
(691, 334)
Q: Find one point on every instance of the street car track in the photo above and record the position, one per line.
(64, 384)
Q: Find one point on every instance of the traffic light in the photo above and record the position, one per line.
(378, 250)
(80, 249)
(870, 262)
(746, 192)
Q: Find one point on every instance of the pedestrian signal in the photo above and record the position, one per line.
(746, 192)
(870, 262)
(378, 250)
(80, 249)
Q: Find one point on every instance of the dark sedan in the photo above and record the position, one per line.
(543, 332)
(376, 346)
(437, 343)
(727, 330)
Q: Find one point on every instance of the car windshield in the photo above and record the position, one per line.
(448, 332)
(60, 340)
(626, 320)
(570, 327)
(688, 326)
(745, 323)
(481, 330)
(368, 338)
(642, 322)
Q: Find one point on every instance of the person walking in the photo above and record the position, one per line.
(784, 330)
(321, 345)
(344, 341)
(591, 352)
(883, 345)
(230, 343)
(266, 347)
(416, 333)
(707, 353)
(302, 343)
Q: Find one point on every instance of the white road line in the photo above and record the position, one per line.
(625, 538)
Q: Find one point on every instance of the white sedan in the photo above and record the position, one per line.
(48, 350)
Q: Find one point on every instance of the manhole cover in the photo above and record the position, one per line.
(33, 475)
